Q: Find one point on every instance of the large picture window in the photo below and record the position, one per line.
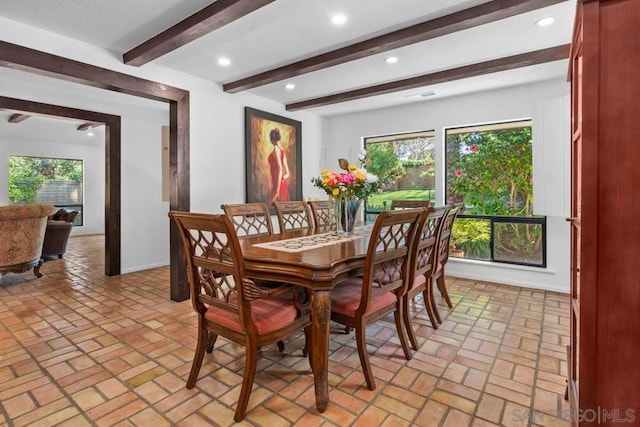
(50, 181)
(405, 165)
(489, 168)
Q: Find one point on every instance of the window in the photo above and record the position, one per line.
(55, 182)
(405, 166)
(489, 168)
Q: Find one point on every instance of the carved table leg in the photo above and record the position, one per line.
(320, 317)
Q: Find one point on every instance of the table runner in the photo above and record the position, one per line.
(299, 244)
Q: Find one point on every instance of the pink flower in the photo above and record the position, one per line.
(458, 173)
(473, 148)
(347, 178)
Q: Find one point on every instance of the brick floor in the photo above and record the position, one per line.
(79, 348)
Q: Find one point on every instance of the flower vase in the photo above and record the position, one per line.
(334, 213)
(348, 212)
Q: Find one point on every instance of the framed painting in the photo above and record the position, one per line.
(273, 157)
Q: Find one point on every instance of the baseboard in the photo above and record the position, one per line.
(144, 267)
(454, 270)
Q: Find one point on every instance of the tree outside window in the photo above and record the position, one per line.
(405, 166)
(46, 180)
(490, 169)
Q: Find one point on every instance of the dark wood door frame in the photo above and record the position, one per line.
(112, 169)
(42, 63)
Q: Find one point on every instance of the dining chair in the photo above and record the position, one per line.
(252, 219)
(321, 213)
(293, 215)
(359, 301)
(228, 303)
(249, 219)
(423, 265)
(409, 204)
(443, 255)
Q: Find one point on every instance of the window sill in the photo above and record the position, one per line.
(501, 265)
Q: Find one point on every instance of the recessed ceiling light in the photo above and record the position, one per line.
(89, 133)
(391, 59)
(224, 62)
(290, 86)
(338, 19)
(545, 22)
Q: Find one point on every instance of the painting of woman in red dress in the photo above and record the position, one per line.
(279, 170)
(273, 160)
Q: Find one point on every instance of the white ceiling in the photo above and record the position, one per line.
(286, 31)
(49, 129)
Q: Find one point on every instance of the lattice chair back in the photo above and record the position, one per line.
(321, 213)
(214, 269)
(388, 255)
(426, 243)
(293, 215)
(249, 219)
(445, 235)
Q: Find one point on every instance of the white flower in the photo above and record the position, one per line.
(362, 156)
(371, 177)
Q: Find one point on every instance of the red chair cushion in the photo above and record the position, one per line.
(345, 298)
(419, 280)
(268, 315)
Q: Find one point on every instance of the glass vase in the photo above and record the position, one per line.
(347, 215)
(334, 213)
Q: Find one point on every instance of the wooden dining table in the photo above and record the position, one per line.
(316, 269)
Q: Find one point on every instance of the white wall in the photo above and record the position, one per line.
(548, 106)
(93, 163)
(216, 137)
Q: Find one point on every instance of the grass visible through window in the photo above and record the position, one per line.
(382, 201)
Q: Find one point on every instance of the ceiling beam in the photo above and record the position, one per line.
(17, 118)
(478, 69)
(39, 109)
(204, 21)
(45, 64)
(458, 21)
(88, 126)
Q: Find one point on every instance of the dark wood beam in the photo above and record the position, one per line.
(38, 62)
(87, 126)
(195, 26)
(458, 21)
(503, 64)
(46, 64)
(112, 198)
(51, 110)
(179, 178)
(17, 118)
